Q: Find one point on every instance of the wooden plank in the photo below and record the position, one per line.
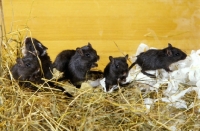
(1, 35)
(64, 24)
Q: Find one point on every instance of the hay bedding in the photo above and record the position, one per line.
(170, 102)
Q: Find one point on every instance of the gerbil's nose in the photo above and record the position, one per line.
(98, 57)
(183, 56)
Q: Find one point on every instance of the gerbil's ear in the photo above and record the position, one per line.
(126, 57)
(168, 52)
(89, 44)
(111, 59)
(19, 61)
(43, 53)
(42, 46)
(169, 45)
(27, 39)
(79, 50)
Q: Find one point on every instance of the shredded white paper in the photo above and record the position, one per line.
(102, 82)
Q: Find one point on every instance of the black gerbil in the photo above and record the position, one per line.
(76, 63)
(33, 48)
(62, 61)
(116, 71)
(32, 45)
(27, 69)
(154, 59)
(80, 63)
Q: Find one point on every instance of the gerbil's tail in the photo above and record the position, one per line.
(131, 66)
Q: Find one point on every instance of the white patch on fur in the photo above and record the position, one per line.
(43, 53)
(39, 44)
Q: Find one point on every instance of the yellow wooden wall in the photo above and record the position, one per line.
(67, 24)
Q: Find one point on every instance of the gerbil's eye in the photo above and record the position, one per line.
(87, 54)
(177, 54)
(117, 66)
(28, 64)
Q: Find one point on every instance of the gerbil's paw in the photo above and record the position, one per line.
(107, 88)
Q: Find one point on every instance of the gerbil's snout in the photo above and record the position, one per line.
(180, 55)
(183, 56)
(98, 57)
(94, 64)
(123, 76)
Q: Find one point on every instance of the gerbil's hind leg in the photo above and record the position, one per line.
(150, 75)
(167, 69)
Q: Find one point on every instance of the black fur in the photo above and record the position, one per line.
(27, 69)
(154, 59)
(76, 63)
(41, 50)
(116, 71)
(62, 61)
(35, 50)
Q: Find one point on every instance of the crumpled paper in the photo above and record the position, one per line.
(102, 82)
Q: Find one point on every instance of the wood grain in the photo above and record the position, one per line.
(67, 24)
